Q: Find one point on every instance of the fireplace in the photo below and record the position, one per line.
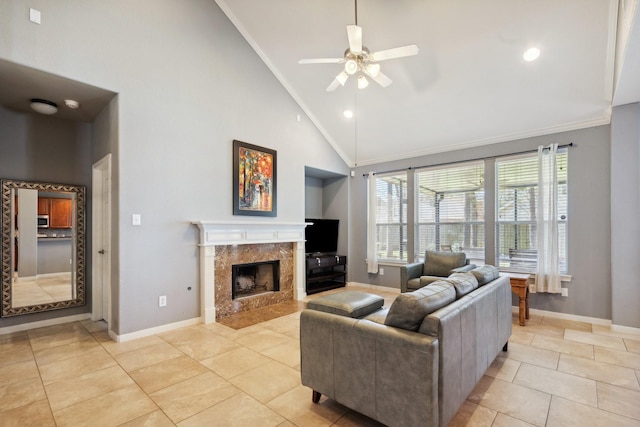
(224, 244)
(255, 278)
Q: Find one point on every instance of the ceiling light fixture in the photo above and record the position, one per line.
(351, 66)
(362, 82)
(347, 113)
(72, 104)
(531, 54)
(359, 61)
(43, 106)
(372, 69)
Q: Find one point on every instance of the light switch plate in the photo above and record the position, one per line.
(136, 219)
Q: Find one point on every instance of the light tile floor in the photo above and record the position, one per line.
(556, 373)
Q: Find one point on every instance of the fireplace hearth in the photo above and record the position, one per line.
(255, 278)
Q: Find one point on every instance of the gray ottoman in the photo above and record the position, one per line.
(348, 303)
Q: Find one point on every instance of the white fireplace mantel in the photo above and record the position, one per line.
(214, 233)
(237, 233)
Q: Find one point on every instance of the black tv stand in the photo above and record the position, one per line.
(325, 272)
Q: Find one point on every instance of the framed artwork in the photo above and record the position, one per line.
(254, 180)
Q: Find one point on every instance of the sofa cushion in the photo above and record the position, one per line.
(413, 284)
(409, 309)
(485, 273)
(441, 263)
(463, 283)
(347, 303)
(421, 282)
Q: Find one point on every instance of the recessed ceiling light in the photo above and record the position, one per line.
(347, 113)
(43, 106)
(531, 54)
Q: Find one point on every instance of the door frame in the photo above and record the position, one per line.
(101, 205)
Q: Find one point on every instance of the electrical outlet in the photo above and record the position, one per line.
(565, 292)
(381, 271)
(532, 288)
(162, 301)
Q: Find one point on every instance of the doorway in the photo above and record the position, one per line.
(101, 241)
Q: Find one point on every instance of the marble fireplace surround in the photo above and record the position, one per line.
(222, 243)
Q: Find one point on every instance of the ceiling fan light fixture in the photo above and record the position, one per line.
(351, 67)
(372, 69)
(362, 82)
(43, 106)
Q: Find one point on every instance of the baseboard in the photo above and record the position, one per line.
(43, 323)
(155, 330)
(565, 316)
(374, 287)
(625, 329)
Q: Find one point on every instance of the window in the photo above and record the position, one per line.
(391, 216)
(450, 209)
(517, 190)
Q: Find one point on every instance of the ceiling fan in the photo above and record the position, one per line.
(359, 61)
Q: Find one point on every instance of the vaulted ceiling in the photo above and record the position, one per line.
(468, 85)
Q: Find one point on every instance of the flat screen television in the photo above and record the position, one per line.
(321, 236)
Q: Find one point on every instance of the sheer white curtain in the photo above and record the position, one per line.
(548, 271)
(372, 235)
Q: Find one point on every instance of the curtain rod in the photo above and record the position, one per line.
(469, 160)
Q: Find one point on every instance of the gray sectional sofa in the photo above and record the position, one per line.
(415, 363)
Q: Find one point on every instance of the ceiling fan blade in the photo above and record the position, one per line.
(321, 61)
(354, 33)
(382, 79)
(340, 80)
(333, 86)
(396, 52)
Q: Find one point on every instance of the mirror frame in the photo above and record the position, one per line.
(7, 257)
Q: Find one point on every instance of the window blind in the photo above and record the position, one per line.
(450, 209)
(516, 194)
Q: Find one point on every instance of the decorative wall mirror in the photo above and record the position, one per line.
(43, 238)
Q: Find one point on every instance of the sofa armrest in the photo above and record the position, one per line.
(464, 269)
(386, 373)
(408, 272)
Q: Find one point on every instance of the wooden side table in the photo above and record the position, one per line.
(520, 286)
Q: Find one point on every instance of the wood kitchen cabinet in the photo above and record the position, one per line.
(60, 211)
(43, 205)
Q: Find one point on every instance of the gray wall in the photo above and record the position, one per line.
(27, 229)
(589, 218)
(313, 188)
(187, 84)
(41, 148)
(625, 215)
(335, 202)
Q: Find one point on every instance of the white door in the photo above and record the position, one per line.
(101, 241)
